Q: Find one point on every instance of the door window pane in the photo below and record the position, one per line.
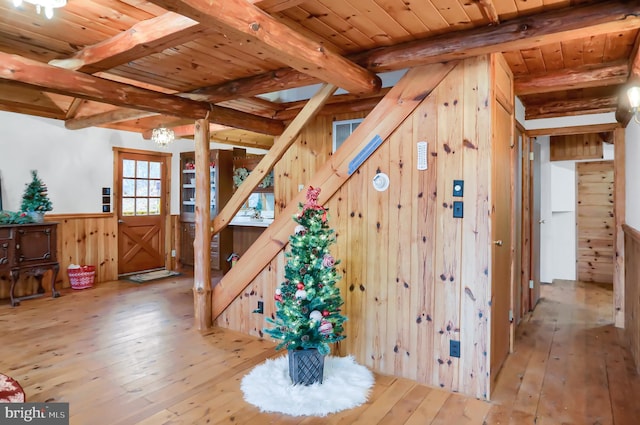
(154, 206)
(128, 168)
(154, 187)
(142, 187)
(154, 170)
(128, 206)
(142, 207)
(143, 170)
(128, 187)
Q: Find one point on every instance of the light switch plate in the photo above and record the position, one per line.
(458, 188)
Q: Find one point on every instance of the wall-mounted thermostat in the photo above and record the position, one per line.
(380, 182)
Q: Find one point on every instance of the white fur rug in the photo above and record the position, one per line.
(345, 385)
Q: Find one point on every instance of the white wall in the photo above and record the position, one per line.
(563, 220)
(74, 164)
(632, 169)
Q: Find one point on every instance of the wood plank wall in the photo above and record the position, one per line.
(86, 239)
(577, 146)
(632, 291)
(414, 278)
(595, 221)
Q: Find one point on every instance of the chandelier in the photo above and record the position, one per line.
(47, 5)
(163, 136)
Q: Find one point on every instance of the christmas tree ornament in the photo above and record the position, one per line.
(325, 327)
(301, 293)
(315, 315)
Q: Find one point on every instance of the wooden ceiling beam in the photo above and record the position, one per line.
(291, 47)
(108, 117)
(217, 133)
(489, 10)
(188, 130)
(359, 105)
(564, 131)
(73, 108)
(594, 75)
(516, 34)
(273, 6)
(530, 31)
(572, 107)
(243, 143)
(76, 84)
(142, 39)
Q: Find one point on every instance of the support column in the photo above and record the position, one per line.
(202, 242)
(619, 219)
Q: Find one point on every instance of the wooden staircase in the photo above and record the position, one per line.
(390, 112)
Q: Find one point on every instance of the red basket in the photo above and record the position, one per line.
(82, 278)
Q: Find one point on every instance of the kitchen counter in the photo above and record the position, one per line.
(250, 222)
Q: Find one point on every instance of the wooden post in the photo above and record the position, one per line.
(202, 242)
(618, 220)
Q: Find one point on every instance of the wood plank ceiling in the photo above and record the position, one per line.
(152, 61)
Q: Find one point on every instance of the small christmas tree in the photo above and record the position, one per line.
(35, 196)
(308, 302)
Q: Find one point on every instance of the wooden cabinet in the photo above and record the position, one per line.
(29, 250)
(221, 173)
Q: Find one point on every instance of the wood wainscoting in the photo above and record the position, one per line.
(632, 291)
(86, 239)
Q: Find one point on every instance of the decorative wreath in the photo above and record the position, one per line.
(240, 174)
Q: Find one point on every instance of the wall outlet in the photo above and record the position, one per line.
(260, 309)
(454, 348)
(300, 187)
(173, 253)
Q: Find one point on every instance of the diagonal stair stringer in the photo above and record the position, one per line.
(391, 111)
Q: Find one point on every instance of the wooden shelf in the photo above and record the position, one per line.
(221, 191)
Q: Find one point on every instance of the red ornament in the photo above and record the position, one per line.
(300, 286)
(325, 313)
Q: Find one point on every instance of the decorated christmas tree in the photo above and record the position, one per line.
(308, 302)
(35, 196)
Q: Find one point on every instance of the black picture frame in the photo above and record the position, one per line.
(106, 199)
(106, 208)
(106, 191)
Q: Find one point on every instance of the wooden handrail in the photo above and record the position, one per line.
(269, 161)
(392, 110)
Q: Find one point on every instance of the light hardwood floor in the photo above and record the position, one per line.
(123, 353)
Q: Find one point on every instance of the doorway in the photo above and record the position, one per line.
(142, 200)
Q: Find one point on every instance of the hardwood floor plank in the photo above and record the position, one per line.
(429, 408)
(125, 354)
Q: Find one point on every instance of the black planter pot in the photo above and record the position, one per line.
(306, 366)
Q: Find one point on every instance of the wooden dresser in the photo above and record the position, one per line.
(29, 250)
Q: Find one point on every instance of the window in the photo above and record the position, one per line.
(141, 187)
(342, 130)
